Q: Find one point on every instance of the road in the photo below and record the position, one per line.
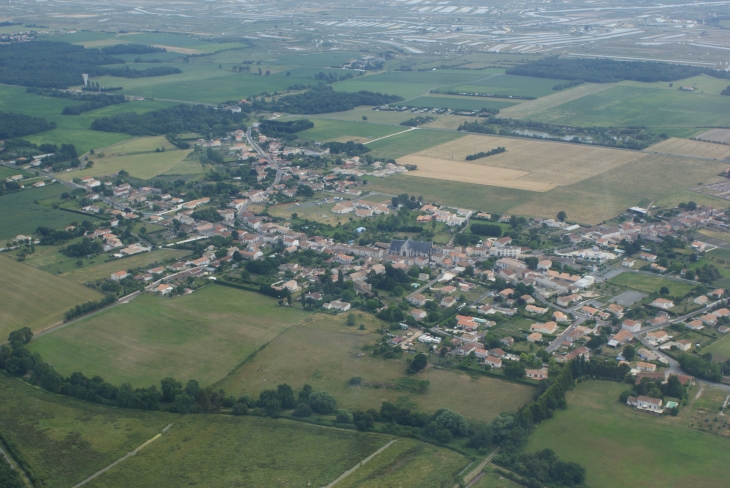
(358, 465)
(271, 161)
(568, 311)
(475, 472)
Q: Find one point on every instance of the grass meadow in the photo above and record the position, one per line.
(522, 86)
(33, 298)
(459, 103)
(616, 443)
(143, 165)
(21, 215)
(410, 142)
(329, 130)
(200, 336)
(651, 284)
(323, 352)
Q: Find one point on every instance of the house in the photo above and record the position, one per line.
(662, 303)
(313, 296)
(163, 289)
(645, 367)
(448, 302)
(566, 301)
(544, 265)
(621, 337)
(646, 403)
(709, 319)
(506, 293)
(560, 317)
(535, 310)
(722, 312)
(694, 325)
(632, 326)
(616, 309)
(119, 275)
(493, 362)
(337, 305)
(701, 300)
(417, 299)
(507, 341)
(537, 374)
(528, 299)
(418, 314)
(498, 353)
(590, 311)
(486, 310)
(648, 257)
(628, 263)
(683, 345)
(546, 328)
(466, 348)
(647, 355)
(723, 329)
(534, 337)
(657, 337)
(718, 293)
(157, 270)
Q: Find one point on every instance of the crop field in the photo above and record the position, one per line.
(616, 443)
(92, 271)
(199, 336)
(330, 130)
(687, 196)
(373, 116)
(66, 440)
(459, 103)
(716, 135)
(410, 84)
(527, 164)
(410, 142)
(532, 107)
(522, 86)
(408, 463)
(651, 284)
(142, 165)
(686, 147)
(21, 215)
(34, 298)
(701, 84)
(638, 106)
(326, 354)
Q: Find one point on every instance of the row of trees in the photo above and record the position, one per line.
(350, 148)
(275, 128)
(173, 120)
(482, 154)
(88, 307)
(323, 99)
(132, 49)
(490, 230)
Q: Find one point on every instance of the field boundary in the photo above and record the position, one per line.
(358, 465)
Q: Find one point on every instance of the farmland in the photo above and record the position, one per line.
(623, 442)
(529, 108)
(651, 284)
(522, 86)
(143, 165)
(92, 271)
(687, 147)
(326, 354)
(459, 103)
(21, 215)
(721, 347)
(329, 130)
(410, 142)
(34, 298)
(153, 337)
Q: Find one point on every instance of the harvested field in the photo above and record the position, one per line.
(532, 107)
(687, 147)
(716, 135)
(527, 164)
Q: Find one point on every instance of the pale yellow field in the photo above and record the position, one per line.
(527, 164)
(717, 135)
(533, 107)
(686, 147)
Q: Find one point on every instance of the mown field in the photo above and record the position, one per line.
(686, 147)
(21, 215)
(410, 142)
(326, 354)
(33, 298)
(651, 284)
(459, 103)
(328, 130)
(615, 443)
(200, 336)
(522, 86)
(63, 441)
(142, 165)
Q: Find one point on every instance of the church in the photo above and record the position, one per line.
(410, 248)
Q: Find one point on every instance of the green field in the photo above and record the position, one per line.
(639, 106)
(325, 354)
(200, 336)
(328, 130)
(34, 298)
(615, 443)
(459, 103)
(143, 165)
(721, 347)
(651, 284)
(522, 86)
(410, 142)
(64, 441)
(21, 215)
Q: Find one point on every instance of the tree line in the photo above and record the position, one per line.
(350, 148)
(88, 307)
(132, 49)
(323, 99)
(128, 72)
(94, 101)
(610, 71)
(490, 230)
(18, 125)
(482, 154)
(173, 120)
(275, 128)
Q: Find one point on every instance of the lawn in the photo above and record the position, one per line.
(33, 298)
(651, 284)
(410, 142)
(721, 347)
(459, 103)
(21, 215)
(142, 165)
(97, 268)
(325, 353)
(200, 336)
(522, 86)
(328, 130)
(616, 443)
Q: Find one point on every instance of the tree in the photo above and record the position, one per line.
(351, 319)
(285, 395)
(171, 388)
(322, 402)
(455, 423)
(690, 274)
(664, 290)
(302, 410)
(629, 352)
(363, 421)
(418, 363)
(343, 417)
(562, 216)
(23, 336)
(514, 369)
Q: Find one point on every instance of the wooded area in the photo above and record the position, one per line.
(324, 99)
(18, 125)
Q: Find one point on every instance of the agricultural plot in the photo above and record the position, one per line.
(91, 271)
(327, 354)
(623, 442)
(21, 215)
(410, 142)
(142, 165)
(33, 298)
(522, 86)
(651, 284)
(686, 147)
(199, 336)
(716, 135)
(529, 108)
(721, 347)
(526, 165)
(330, 130)
(459, 103)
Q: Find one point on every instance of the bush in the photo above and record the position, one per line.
(240, 409)
(302, 410)
(322, 402)
(343, 417)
